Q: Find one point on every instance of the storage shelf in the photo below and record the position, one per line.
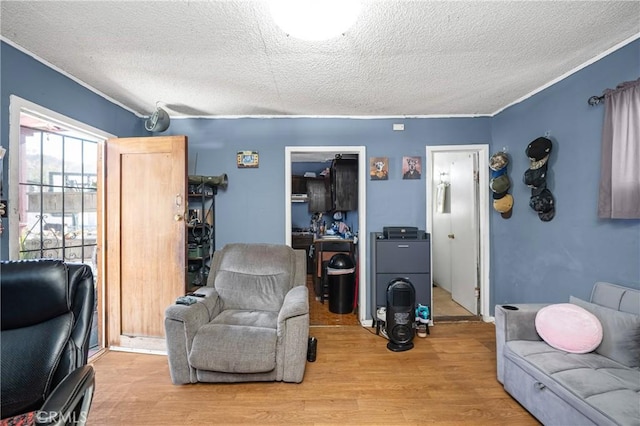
(201, 211)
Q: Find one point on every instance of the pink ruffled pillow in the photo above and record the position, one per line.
(569, 328)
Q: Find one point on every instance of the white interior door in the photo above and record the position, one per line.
(440, 242)
(434, 167)
(464, 231)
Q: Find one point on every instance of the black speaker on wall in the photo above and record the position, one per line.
(400, 319)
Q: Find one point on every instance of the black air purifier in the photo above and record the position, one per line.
(401, 301)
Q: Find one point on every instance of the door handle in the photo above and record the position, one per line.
(451, 236)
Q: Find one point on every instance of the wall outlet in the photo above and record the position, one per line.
(398, 126)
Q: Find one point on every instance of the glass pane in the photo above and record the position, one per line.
(72, 162)
(89, 219)
(90, 164)
(30, 170)
(90, 256)
(52, 160)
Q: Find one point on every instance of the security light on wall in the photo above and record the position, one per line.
(158, 121)
(314, 20)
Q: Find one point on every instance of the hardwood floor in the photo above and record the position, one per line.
(448, 378)
(445, 308)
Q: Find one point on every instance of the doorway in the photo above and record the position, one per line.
(321, 154)
(55, 187)
(458, 221)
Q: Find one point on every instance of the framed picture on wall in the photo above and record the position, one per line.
(248, 159)
(379, 168)
(411, 167)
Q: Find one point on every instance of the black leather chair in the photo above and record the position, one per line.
(46, 311)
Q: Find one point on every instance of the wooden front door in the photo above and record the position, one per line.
(146, 182)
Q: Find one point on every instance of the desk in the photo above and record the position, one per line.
(324, 249)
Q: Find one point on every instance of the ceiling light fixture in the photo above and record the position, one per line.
(314, 20)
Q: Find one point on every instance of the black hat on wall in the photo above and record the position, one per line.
(543, 202)
(535, 178)
(538, 149)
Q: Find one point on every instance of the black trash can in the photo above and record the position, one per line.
(341, 276)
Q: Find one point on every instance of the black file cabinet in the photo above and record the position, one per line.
(406, 258)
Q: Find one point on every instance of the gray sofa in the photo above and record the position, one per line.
(559, 388)
(252, 323)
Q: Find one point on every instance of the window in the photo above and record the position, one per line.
(57, 196)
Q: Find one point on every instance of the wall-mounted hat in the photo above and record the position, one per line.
(498, 173)
(547, 216)
(500, 184)
(538, 149)
(498, 161)
(535, 178)
(537, 164)
(538, 190)
(504, 206)
(543, 202)
(498, 195)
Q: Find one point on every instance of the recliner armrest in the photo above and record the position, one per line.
(181, 323)
(61, 407)
(200, 312)
(296, 303)
(193, 314)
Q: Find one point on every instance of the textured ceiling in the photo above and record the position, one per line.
(401, 58)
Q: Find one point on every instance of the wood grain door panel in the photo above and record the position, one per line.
(146, 247)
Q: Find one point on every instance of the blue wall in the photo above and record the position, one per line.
(253, 206)
(23, 76)
(530, 260)
(534, 261)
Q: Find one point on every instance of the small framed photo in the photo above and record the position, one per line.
(411, 167)
(379, 168)
(248, 159)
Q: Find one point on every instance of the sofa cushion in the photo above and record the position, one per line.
(586, 381)
(568, 327)
(234, 348)
(265, 319)
(620, 335)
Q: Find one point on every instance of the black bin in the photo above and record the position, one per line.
(341, 276)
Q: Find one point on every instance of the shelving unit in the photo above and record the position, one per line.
(200, 231)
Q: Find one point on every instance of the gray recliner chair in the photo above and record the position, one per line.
(252, 323)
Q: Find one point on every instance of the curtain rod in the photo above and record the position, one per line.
(595, 100)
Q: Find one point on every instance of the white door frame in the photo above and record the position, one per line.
(362, 210)
(483, 164)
